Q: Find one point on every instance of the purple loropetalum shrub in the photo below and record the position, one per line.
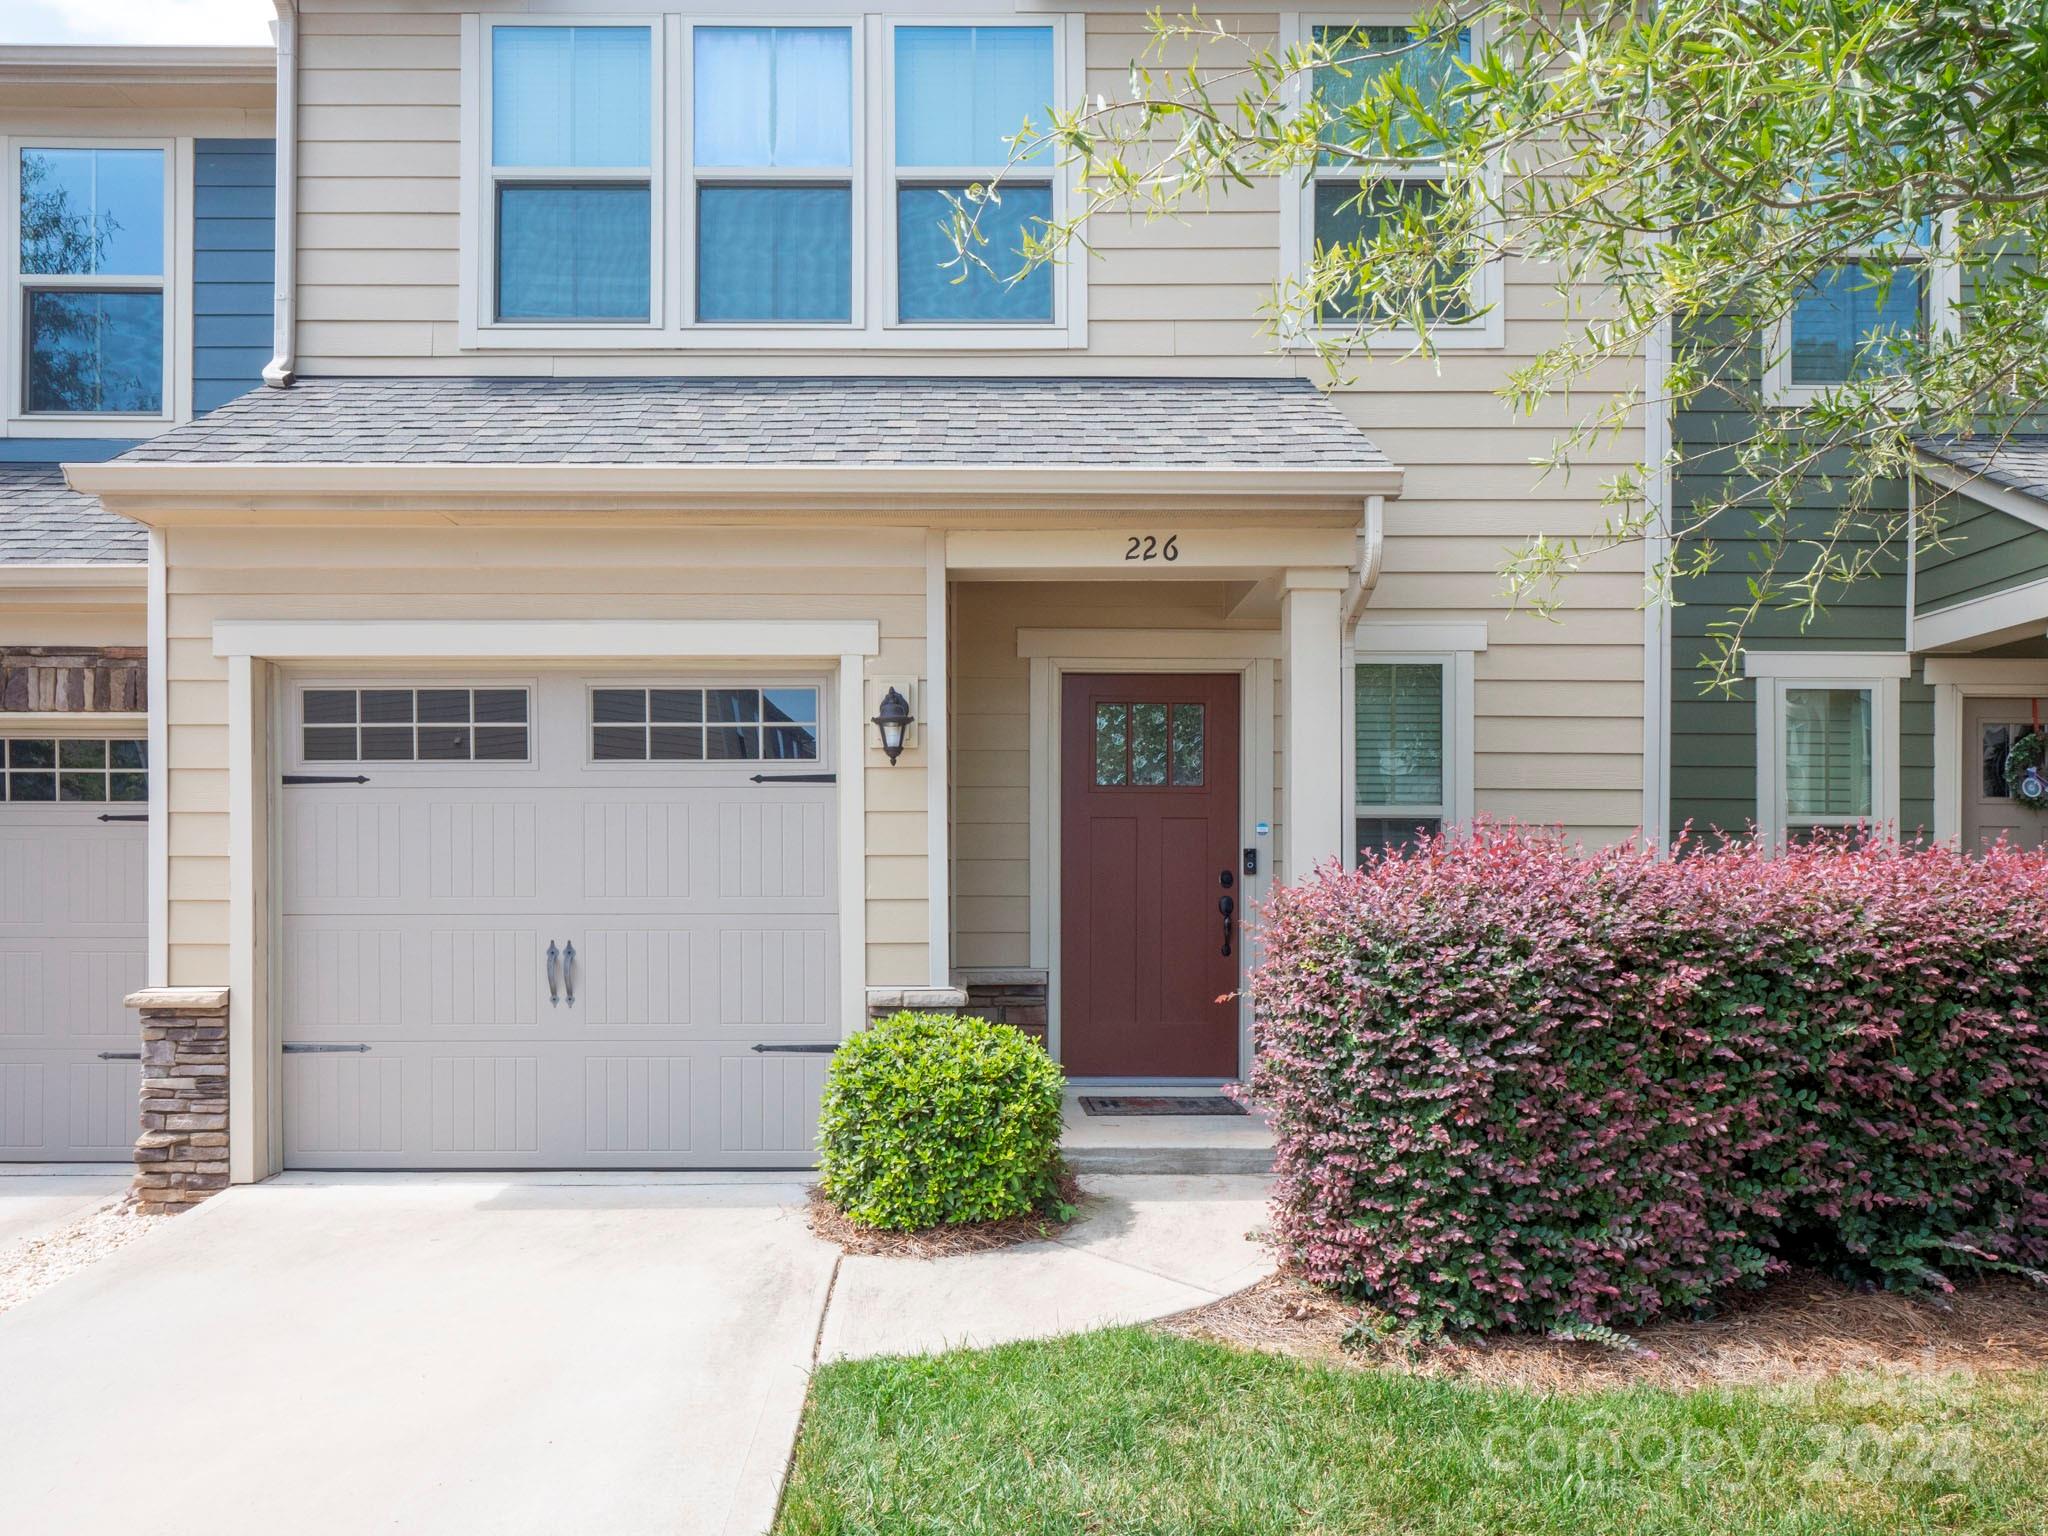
(1514, 1085)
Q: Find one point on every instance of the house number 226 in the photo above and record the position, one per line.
(1149, 546)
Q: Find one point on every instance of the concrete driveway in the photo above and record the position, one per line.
(38, 1198)
(412, 1353)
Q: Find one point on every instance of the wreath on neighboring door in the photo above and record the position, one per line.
(2026, 779)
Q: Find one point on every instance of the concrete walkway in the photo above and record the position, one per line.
(1145, 1246)
(38, 1198)
(509, 1354)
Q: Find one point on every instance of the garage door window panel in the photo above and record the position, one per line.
(414, 725)
(716, 725)
(45, 769)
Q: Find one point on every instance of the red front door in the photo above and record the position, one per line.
(1149, 854)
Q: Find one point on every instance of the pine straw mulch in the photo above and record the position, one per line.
(831, 1224)
(1800, 1328)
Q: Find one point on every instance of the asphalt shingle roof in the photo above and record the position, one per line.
(44, 522)
(1201, 423)
(2019, 461)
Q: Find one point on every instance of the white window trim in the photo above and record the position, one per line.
(1298, 214)
(1452, 646)
(673, 205)
(175, 285)
(1776, 673)
(1941, 297)
(482, 178)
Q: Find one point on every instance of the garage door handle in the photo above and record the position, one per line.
(569, 972)
(554, 975)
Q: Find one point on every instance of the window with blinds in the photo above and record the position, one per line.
(1829, 766)
(1399, 745)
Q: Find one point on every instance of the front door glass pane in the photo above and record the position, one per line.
(1188, 731)
(1148, 744)
(1112, 743)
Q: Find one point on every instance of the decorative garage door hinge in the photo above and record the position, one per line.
(326, 778)
(315, 1048)
(795, 778)
(126, 816)
(767, 1049)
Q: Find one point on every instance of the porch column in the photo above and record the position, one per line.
(1312, 683)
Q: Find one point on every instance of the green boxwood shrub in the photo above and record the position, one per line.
(932, 1120)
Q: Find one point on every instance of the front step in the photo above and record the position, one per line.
(1189, 1160)
(1164, 1144)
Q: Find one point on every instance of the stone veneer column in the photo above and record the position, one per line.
(181, 1155)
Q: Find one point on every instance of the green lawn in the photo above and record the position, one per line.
(1130, 1432)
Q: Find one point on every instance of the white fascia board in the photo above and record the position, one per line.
(82, 575)
(1984, 619)
(1827, 664)
(543, 640)
(678, 483)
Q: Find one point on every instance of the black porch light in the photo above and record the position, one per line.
(892, 721)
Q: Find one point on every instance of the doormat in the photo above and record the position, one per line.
(1162, 1104)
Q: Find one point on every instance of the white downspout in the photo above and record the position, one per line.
(278, 372)
(1365, 575)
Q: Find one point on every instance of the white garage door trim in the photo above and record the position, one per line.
(250, 646)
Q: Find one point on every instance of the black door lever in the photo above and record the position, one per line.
(1227, 906)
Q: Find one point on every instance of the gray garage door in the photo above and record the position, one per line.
(73, 942)
(557, 921)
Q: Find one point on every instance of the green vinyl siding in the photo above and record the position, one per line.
(1713, 733)
(1983, 551)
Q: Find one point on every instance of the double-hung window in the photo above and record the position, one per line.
(772, 157)
(663, 181)
(573, 174)
(1827, 741)
(1851, 317)
(1399, 723)
(1346, 202)
(963, 96)
(89, 280)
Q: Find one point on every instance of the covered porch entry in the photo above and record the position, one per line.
(1146, 731)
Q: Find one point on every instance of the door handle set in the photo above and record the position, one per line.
(561, 973)
(1226, 904)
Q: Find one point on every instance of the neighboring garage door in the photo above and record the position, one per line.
(73, 941)
(562, 921)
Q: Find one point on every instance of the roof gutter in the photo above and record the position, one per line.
(278, 372)
(673, 484)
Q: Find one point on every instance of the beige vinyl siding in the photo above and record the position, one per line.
(533, 573)
(1559, 703)
(72, 616)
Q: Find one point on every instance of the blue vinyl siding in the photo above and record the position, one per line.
(234, 229)
(62, 450)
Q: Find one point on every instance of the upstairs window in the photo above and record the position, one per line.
(1345, 210)
(665, 182)
(962, 93)
(90, 272)
(1846, 323)
(572, 173)
(773, 161)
